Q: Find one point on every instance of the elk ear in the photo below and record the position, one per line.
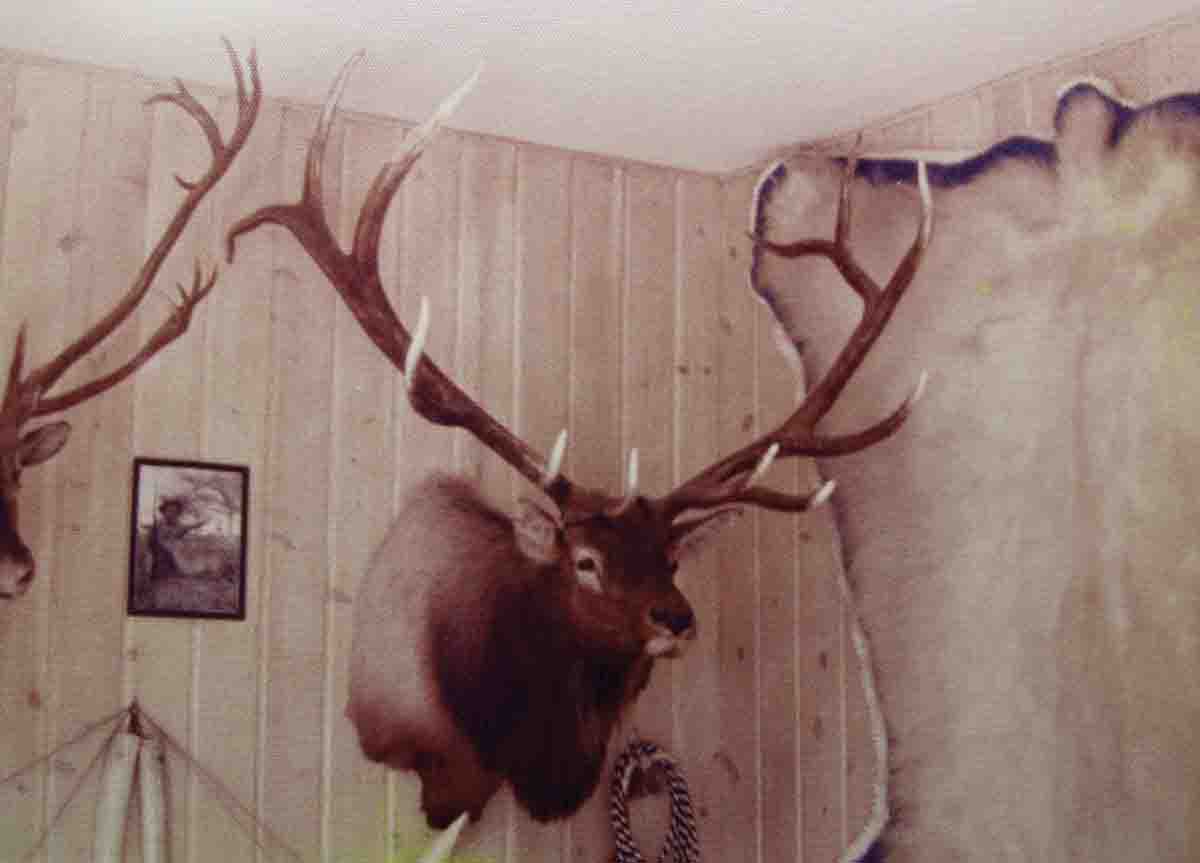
(690, 535)
(537, 532)
(43, 443)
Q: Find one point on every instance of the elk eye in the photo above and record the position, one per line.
(587, 570)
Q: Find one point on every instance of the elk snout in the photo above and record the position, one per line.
(16, 573)
(678, 621)
(673, 625)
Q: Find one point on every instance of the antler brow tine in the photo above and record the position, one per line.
(416, 347)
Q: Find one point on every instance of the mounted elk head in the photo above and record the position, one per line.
(27, 395)
(447, 675)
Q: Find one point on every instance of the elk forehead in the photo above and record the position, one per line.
(635, 542)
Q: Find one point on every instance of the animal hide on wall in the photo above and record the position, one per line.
(1025, 551)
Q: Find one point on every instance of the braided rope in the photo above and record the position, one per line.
(682, 844)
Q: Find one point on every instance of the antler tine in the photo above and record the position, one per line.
(631, 486)
(369, 229)
(306, 217)
(734, 478)
(355, 276)
(172, 327)
(223, 155)
(13, 386)
(314, 184)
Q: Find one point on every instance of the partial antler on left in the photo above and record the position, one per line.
(27, 395)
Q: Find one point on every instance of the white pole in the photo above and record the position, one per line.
(116, 784)
(151, 776)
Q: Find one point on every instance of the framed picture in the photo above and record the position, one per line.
(188, 539)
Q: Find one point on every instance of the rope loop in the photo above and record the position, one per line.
(682, 844)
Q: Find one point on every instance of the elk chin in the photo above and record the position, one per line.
(666, 646)
(15, 580)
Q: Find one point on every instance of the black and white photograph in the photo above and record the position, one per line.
(188, 556)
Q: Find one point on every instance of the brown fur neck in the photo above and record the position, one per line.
(539, 703)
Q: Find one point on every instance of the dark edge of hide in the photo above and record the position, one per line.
(764, 191)
(1044, 153)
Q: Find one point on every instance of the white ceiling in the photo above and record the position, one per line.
(703, 84)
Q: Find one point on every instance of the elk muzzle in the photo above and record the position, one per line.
(672, 625)
(16, 571)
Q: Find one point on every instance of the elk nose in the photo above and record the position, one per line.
(678, 622)
(16, 574)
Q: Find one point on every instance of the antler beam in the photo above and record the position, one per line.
(355, 275)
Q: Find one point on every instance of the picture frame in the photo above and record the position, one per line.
(188, 532)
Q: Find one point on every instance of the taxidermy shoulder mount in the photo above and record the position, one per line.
(489, 649)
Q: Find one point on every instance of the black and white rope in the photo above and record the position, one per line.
(682, 844)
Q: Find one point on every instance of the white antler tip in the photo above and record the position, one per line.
(631, 482)
(823, 493)
(445, 841)
(922, 382)
(764, 465)
(554, 465)
(417, 346)
(923, 182)
(450, 104)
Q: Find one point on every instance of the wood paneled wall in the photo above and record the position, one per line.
(566, 290)
(1143, 67)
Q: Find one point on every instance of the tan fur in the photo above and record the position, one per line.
(1026, 550)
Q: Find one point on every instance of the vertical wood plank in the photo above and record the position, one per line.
(649, 379)
(698, 672)
(170, 411)
(239, 384)
(430, 268)
(8, 107)
(597, 274)
(737, 641)
(777, 616)
(954, 123)
(93, 497)
(543, 243)
(1127, 67)
(298, 489)
(594, 457)
(363, 441)
(485, 359)
(1183, 70)
(1010, 107)
(487, 298)
(1158, 60)
(46, 122)
(18, 666)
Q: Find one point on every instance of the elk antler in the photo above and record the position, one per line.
(355, 275)
(733, 479)
(25, 397)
